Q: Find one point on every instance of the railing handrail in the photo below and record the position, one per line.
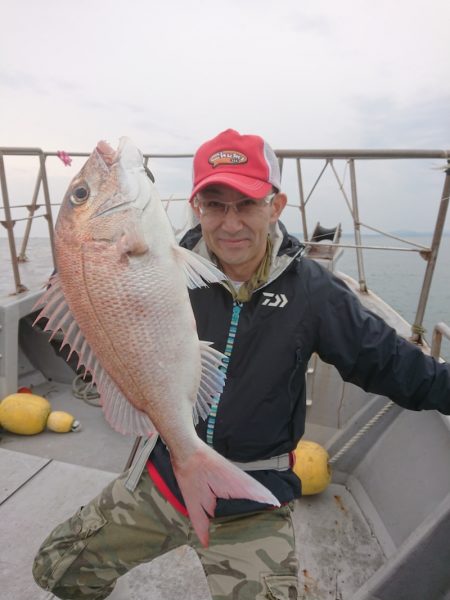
(319, 153)
(327, 155)
(20, 151)
(440, 330)
(360, 154)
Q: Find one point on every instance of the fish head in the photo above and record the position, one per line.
(109, 194)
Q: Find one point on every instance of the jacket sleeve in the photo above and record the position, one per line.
(369, 353)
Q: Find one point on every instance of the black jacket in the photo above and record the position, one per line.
(261, 412)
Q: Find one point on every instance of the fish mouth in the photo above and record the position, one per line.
(130, 166)
(107, 153)
(127, 154)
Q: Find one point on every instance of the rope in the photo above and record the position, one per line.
(85, 390)
(352, 441)
(419, 329)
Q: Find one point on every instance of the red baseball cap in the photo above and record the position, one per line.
(244, 162)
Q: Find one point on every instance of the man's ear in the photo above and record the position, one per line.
(278, 204)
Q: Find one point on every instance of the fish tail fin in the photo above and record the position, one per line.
(206, 476)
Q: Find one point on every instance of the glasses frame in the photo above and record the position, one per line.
(266, 200)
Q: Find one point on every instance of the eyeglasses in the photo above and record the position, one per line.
(210, 206)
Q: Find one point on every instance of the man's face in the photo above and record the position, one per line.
(237, 234)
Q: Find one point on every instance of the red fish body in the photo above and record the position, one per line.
(120, 296)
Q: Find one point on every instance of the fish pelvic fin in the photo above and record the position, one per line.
(198, 270)
(212, 380)
(206, 476)
(120, 414)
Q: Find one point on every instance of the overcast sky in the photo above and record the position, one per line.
(303, 74)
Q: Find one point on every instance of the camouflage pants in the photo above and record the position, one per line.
(250, 557)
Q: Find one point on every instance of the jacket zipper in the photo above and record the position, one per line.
(237, 306)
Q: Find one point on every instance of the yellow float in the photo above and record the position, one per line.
(61, 422)
(312, 467)
(29, 414)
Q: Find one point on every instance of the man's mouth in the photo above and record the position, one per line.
(233, 242)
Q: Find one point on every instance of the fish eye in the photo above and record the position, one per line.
(80, 194)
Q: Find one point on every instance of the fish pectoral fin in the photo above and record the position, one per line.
(198, 270)
(211, 382)
(132, 241)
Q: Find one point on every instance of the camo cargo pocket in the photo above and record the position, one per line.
(281, 587)
(65, 544)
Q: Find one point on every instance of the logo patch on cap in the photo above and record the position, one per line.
(227, 157)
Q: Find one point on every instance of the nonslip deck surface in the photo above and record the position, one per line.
(336, 549)
(45, 478)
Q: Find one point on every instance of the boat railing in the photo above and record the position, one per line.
(329, 159)
(440, 330)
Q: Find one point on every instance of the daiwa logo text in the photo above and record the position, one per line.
(278, 300)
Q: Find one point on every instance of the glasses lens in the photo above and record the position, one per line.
(212, 207)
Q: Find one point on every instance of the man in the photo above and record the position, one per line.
(259, 418)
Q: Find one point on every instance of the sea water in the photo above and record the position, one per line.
(397, 277)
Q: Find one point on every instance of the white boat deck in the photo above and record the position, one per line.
(95, 445)
(46, 477)
(342, 541)
(336, 548)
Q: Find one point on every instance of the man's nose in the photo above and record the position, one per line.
(231, 219)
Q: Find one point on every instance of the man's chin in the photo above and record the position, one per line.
(230, 258)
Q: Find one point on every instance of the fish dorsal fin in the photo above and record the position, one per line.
(198, 270)
(119, 412)
(212, 380)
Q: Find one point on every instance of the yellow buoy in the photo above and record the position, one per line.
(25, 414)
(61, 422)
(312, 467)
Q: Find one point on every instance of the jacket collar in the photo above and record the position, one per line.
(285, 248)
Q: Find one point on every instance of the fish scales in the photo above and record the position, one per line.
(156, 357)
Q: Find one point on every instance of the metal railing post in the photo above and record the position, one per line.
(48, 206)
(441, 329)
(357, 227)
(31, 210)
(302, 199)
(9, 225)
(417, 328)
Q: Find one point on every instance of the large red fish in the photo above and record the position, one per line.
(120, 297)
